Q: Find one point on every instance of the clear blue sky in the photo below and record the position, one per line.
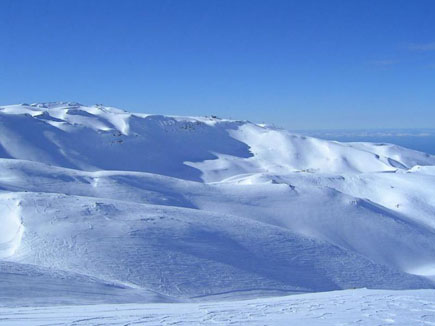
(298, 64)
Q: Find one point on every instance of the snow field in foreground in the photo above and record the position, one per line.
(351, 307)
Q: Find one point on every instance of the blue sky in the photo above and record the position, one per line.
(297, 64)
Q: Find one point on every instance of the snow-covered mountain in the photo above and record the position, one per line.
(98, 205)
(199, 149)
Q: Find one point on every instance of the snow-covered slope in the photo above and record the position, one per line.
(29, 285)
(160, 248)
(350, 307)
(210, 149)
(142, 208)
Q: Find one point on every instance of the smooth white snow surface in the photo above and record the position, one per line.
(101, 206)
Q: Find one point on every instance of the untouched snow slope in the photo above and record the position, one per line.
(98, 205)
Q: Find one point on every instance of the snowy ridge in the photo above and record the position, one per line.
(200, 149)
(151, 208)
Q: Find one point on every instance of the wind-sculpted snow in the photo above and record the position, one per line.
(208, 149)
(325, 207)
(187, 253)
(29, 285)
(147, 208)
(93, 138)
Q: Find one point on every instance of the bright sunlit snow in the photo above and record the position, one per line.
(101, 206)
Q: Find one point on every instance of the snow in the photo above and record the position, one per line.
(198, 149)
(100, 206)
(12, 229)
(31, 285)
(351, 307)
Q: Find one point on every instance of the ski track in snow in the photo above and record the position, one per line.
(99, 206)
